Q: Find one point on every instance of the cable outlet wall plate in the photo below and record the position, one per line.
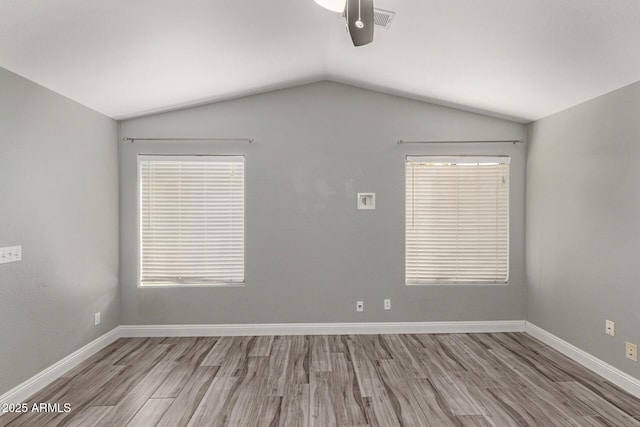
(366, 201)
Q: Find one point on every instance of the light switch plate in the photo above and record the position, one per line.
(10, 254)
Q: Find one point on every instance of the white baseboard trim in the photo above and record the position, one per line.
(321, 328)
(20, 393)
(612, 374)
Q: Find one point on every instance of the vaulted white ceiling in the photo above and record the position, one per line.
(523, 59)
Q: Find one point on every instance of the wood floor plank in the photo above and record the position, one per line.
(551, 393)
(299, 360)
(236, 357)
(179, 346)
(614, 395)
(321, 412)
(218, 352)
(386, 407)
(77, 391)
(138, 395)
(185, 404)
(139, 353)
(213, 401)
(320, 354)
(175, 381)
(497, 411)
(343, 385)
(371, 415)
(270, 411)
(549, 369)
(84, 387)
(595, 421)
(437, 357)
(479, 360)
(604, 408)
(443, 380)
(245, 400)
(337, 344)
(520, 369)
(478, 380)
(196, 354)
(432, 403)
(608, 392)
(406, 407)
(532, 408)
(150, 413)
(363, 367)
(407, 356)
(457, 395)
(295, 406)
(243, 396)
(473, 421)
(16, 418)
(121, 348)
(262, 346)
(278, 363)
(116, 388)
(99, 358)
(90, 416)
(376, 346)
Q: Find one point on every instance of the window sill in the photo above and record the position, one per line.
(457, 284)
(221, 285)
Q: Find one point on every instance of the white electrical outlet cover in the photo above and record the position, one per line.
(610, 328)
(631, 351)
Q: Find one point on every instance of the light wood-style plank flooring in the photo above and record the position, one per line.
(506, 379)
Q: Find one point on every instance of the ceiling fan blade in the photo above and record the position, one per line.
(359, 14)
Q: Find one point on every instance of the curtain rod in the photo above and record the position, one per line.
(132, 140)
(513, 141)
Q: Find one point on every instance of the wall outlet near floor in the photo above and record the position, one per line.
(387, 304)
(360, 306)
(631, 351)
(96, 319)
(610, 328)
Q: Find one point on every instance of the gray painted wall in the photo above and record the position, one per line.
(583, 224)
(59, 200)
(309, 253)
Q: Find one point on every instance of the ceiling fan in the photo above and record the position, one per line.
(359, 16)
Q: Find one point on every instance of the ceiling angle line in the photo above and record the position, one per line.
(487, 141)
(214, 139)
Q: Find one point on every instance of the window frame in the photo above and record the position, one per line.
(146, 156)
(470, 158)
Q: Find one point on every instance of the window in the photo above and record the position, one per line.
(457, 220)
(191, 220)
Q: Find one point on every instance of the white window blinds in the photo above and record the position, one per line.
(191, 220)
(457, 220)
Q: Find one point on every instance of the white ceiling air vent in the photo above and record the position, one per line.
(383, 18)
